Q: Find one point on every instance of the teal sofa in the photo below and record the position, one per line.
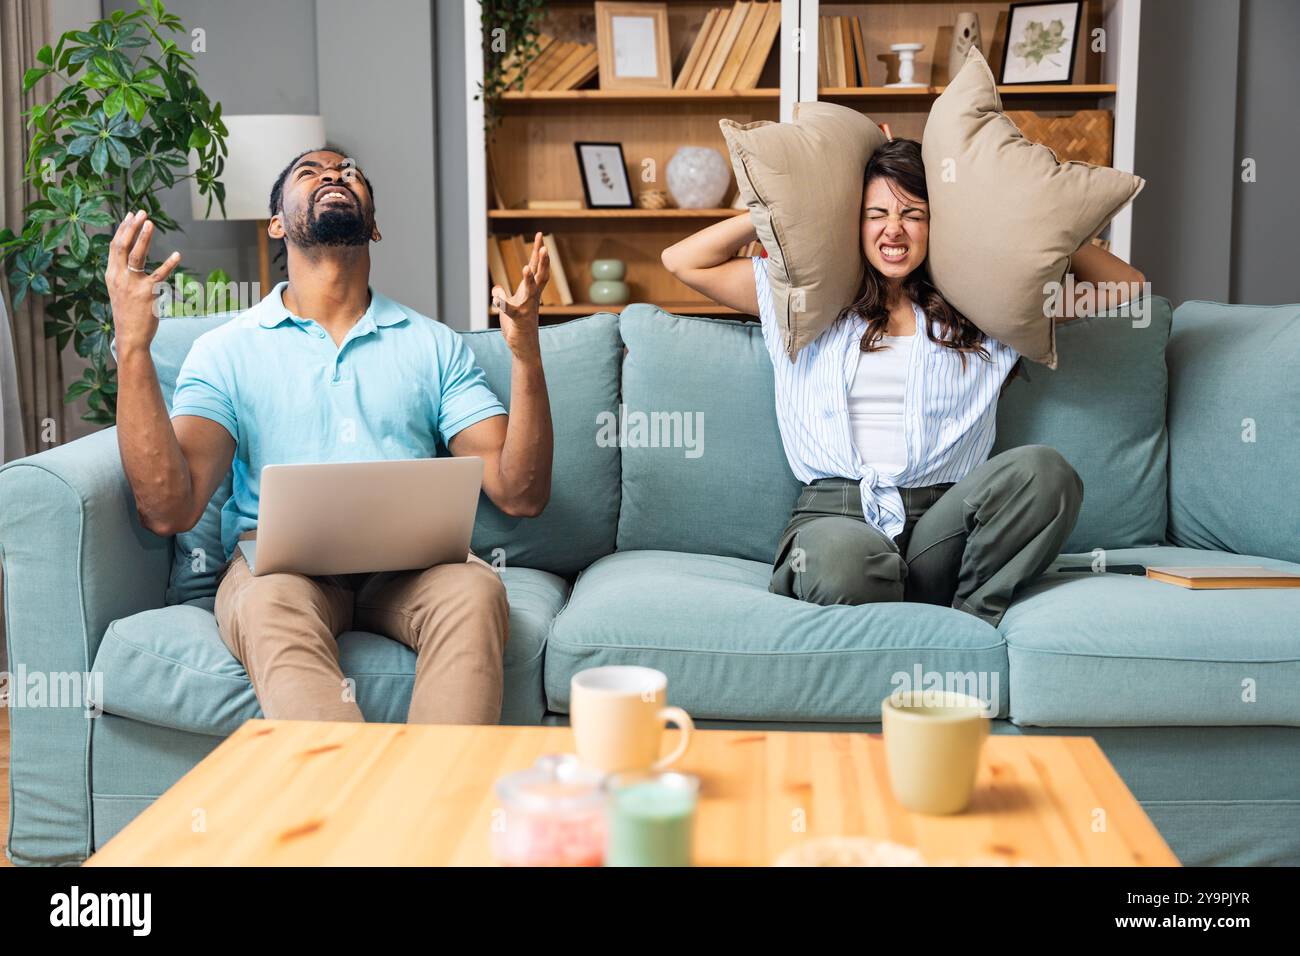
(670, 489)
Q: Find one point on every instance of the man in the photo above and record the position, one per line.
(326, 369)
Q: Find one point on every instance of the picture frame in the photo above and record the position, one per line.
(632, 46)
(605, 183)
(1034, 48)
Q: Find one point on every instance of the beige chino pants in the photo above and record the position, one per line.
(284, 627)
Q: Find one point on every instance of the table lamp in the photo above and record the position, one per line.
(259, 148)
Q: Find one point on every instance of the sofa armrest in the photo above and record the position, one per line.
(74, 558)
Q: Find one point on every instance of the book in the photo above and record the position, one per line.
(538, 65)
(514, 266)
(559, 279)
(756, 58)
(725, 42)
(497, 266)
(744, 40)
(835, 54)
(860, 52)
(1222, 578)
(582, 71)
(846, 38)
(539, 76)
(693, 57)
(706, 52)
(552, 204)
(564, 65)
(823, 61)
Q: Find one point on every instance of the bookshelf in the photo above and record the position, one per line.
(533, 155)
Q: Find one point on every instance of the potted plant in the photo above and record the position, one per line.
(111, 140)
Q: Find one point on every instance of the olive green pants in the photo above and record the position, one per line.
(970, 545)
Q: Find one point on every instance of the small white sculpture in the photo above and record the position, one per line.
(698, 177)
(906, 63)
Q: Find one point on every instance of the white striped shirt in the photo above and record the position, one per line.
(949, 414)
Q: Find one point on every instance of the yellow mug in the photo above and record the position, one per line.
(932, 748)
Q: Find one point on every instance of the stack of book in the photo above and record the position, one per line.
(507, 256)
(731, 48)
(841, 53)
(559, 65)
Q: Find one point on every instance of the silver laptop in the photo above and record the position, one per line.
(344, 517)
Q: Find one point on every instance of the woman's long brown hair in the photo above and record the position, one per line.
(899, 162)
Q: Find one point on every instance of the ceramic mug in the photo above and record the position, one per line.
(932, 748)
(618, 716)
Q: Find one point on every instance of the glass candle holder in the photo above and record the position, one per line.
(552, 814)
(651, 818)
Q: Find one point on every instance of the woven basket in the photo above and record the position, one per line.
(1084, 136)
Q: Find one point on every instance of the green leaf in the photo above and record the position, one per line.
(149, 89)
(136, 104)
(78, 242)
(99, 157)
(81, 145)
(56, 235)
(120, 155)
(99, 81)
(32, 77)
(140, 178)
(199, 138)
(40, 285)
(45, 55)
(114, 102)
(76, 389)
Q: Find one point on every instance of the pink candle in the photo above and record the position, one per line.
(552, 814)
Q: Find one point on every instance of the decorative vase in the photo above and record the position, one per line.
(906, 63)
(965, 34)
(698, 177)
(609, 287)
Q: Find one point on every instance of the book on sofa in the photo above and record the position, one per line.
(1246, 576)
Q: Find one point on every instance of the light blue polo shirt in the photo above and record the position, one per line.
(398, 384)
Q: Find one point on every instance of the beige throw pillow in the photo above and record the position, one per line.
(1005, 215)
(802, 184)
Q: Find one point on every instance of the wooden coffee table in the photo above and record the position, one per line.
(297, 792)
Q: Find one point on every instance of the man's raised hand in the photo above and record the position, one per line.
(131, 284)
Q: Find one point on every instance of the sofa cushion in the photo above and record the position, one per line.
(582, 359)
(1099, 650)
(197, 553)
(703, 465)
(733, 650)
(1103, 408)
(169, 666)
(1234, 428)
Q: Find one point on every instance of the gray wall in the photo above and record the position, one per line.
(1267, 211)
(1217, 82)
(376, 76)
(453, 208)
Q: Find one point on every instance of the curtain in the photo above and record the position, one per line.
(29, 362)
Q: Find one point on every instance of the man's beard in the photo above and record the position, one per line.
(332, 227)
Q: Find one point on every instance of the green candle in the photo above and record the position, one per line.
(650, 821)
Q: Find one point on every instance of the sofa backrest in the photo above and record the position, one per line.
(703, 466)
(1234, 428)
(582, 360)
(1103, 408)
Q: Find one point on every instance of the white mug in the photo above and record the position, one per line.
(618, 716)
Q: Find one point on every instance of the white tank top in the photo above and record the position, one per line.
(876, 404)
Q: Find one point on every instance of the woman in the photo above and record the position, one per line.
(888, 418)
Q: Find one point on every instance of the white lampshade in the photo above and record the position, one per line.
(259, 148)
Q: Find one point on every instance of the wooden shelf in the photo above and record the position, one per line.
(925, 92)
(542, 97)
(510, 214)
